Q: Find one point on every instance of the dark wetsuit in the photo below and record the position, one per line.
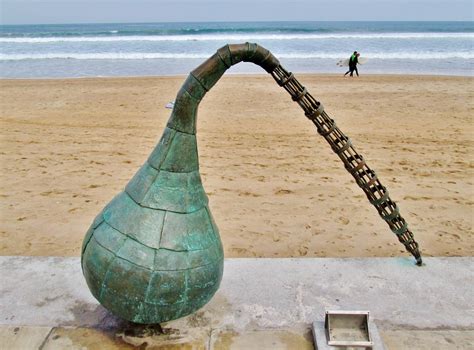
(353, 61)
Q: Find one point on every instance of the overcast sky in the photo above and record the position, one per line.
(103, 11)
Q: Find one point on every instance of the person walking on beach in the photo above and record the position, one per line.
(353, 61)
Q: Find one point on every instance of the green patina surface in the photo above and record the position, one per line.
(154, 253)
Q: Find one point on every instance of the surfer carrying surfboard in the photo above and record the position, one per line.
(353, 61)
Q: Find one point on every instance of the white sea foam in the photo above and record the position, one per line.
(239, 37)
(101, 56)
(157, 49)
(283, 55)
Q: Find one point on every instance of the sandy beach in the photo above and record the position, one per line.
(275, 187)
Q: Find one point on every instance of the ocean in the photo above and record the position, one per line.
(156, 49)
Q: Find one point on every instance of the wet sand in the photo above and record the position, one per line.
(275, 187)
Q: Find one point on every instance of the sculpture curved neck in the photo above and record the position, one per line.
(204, 77)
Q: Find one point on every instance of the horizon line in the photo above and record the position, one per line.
(243, 21)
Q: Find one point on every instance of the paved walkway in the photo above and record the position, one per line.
(262, 303)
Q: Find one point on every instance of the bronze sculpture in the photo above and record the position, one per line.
(154, 253)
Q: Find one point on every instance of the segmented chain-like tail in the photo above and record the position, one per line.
(353, 161)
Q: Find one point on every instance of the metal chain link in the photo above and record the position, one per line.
(354, 163)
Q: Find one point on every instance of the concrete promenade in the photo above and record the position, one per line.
(262, 303)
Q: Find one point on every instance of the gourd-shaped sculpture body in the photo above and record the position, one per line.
(154, 253)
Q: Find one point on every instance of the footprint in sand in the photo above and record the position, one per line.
(282, 191)
(94, 186)
(303, 251)
(49, 193)
(343, 220)
(239, 251)
(248, 194)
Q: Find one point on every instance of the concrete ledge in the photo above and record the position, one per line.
(257, 295)
(268, 293)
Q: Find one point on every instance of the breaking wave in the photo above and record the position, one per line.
(237, 37)
(283, 55)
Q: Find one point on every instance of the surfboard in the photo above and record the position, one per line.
(345, 63)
